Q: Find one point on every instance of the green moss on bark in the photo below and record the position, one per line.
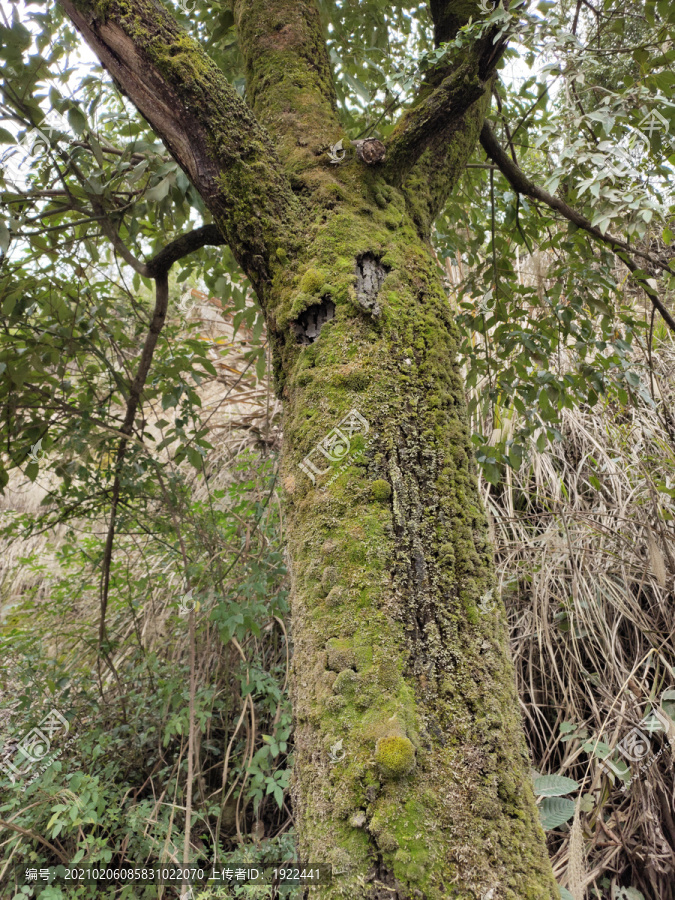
(400, 523)
(395, 756)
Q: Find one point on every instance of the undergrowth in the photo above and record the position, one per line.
(116, 795)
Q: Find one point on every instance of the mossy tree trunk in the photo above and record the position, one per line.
(412, 774)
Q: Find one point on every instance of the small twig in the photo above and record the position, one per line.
(35, 837)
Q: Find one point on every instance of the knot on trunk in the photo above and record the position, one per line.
(370, 151)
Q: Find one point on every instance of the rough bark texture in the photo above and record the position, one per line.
(390, 561)
(430, 796)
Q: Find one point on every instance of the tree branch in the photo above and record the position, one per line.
(207, 235)
(440, 111)
(206, 126)
(522, 185)
(289, 80)
(446, 150)
(35, 837)
(157, 268)
(135, 391)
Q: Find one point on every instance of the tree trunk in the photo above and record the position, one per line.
(412, 774)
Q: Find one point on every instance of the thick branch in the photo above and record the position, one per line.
(432, 180)
(439, 134)
(441, 111)
(522, 185)
(289, 81)
(205, 124)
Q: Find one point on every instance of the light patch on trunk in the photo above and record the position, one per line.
(370, 274)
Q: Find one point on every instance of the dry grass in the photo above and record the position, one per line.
(588, 577)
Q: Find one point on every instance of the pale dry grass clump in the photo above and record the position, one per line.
(585, 543)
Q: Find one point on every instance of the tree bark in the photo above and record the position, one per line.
(412, 774)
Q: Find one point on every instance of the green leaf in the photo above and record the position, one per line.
(77, 120)
(555, 811)
(597, 748)
(668, 703)
(628, 893)
(159, 191)
(169, 400)
(554, 786)
(32, 470)
(358, 87)
(5, 237)
(587, 803)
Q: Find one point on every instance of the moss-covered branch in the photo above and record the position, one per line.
(289, 81)
(435, 138)
(441, 111)
(207, 127)
(430, 182)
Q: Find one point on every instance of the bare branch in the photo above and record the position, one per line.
(207, 235)
(522, 184)
(135, 392)
(35, 837)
